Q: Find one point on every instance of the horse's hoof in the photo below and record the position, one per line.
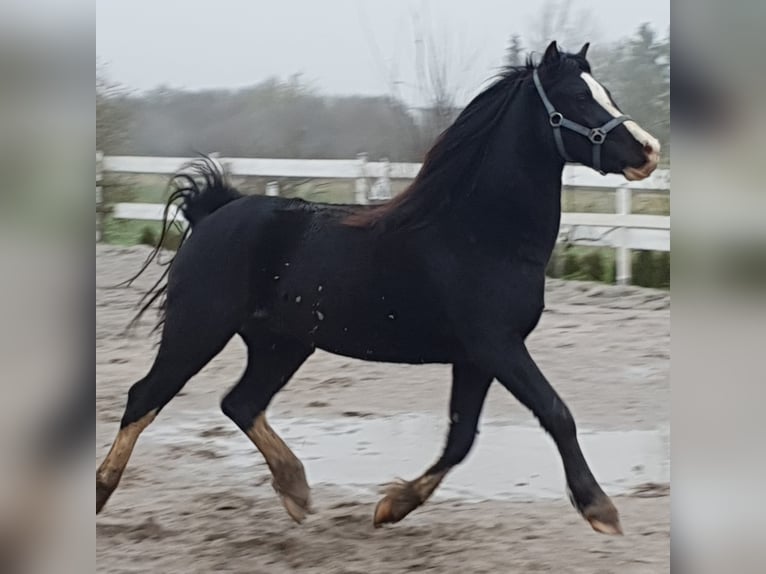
(614, 529)
(603, 517)
(298, 510)
(295, 496)
(401, 499)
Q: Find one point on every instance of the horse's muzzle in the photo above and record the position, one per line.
(638, 173)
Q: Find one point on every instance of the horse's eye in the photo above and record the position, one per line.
(582, 97)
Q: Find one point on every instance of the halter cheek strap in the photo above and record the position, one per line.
(597, 136)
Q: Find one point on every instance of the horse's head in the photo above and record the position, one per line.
(586, 125)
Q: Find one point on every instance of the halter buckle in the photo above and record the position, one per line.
(555, 119)
(597, 136)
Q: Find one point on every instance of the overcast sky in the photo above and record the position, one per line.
(341, 46)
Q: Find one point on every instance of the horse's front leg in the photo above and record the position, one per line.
(469, 389)
(517, 371)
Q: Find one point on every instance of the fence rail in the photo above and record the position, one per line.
(622, 230)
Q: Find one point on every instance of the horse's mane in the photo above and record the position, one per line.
(451, 166)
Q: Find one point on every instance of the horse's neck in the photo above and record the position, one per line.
(517, 199)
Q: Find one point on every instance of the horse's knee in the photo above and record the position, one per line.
(239, 410)
(558, 420)
(139, 402)
(151, 393)
(229, 406)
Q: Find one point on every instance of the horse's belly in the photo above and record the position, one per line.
(396, 333)
(412, 348)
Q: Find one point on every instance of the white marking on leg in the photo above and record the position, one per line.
(602, 97)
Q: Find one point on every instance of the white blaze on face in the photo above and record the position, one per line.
(601, 96)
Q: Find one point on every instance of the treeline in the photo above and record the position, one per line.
(289, 119)
(279, 119)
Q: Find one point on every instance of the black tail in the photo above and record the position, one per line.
(198, 189)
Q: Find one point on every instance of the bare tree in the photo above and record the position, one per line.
(112, 119)
(440, 69)
(514, 53)
(435, 83)
(560, 20)
(112, 128)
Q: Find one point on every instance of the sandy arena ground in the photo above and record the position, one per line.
(182, 508)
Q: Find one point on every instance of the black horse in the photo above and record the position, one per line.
(450, 271)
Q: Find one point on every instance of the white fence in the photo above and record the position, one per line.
(621, 230)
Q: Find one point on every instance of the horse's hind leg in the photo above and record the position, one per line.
(469, 389)
(271, 361)
(191, 337)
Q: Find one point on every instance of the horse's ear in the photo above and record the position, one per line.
(584, 50)
(552, 54)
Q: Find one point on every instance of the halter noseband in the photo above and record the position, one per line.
(597, 136)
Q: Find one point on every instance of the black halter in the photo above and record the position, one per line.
(597, 136)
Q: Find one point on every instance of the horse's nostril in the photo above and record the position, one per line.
(649, 149)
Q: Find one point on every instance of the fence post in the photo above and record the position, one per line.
(361, 181)
(381, 189)
(272, 189)
(99, 196)
(623, 255)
